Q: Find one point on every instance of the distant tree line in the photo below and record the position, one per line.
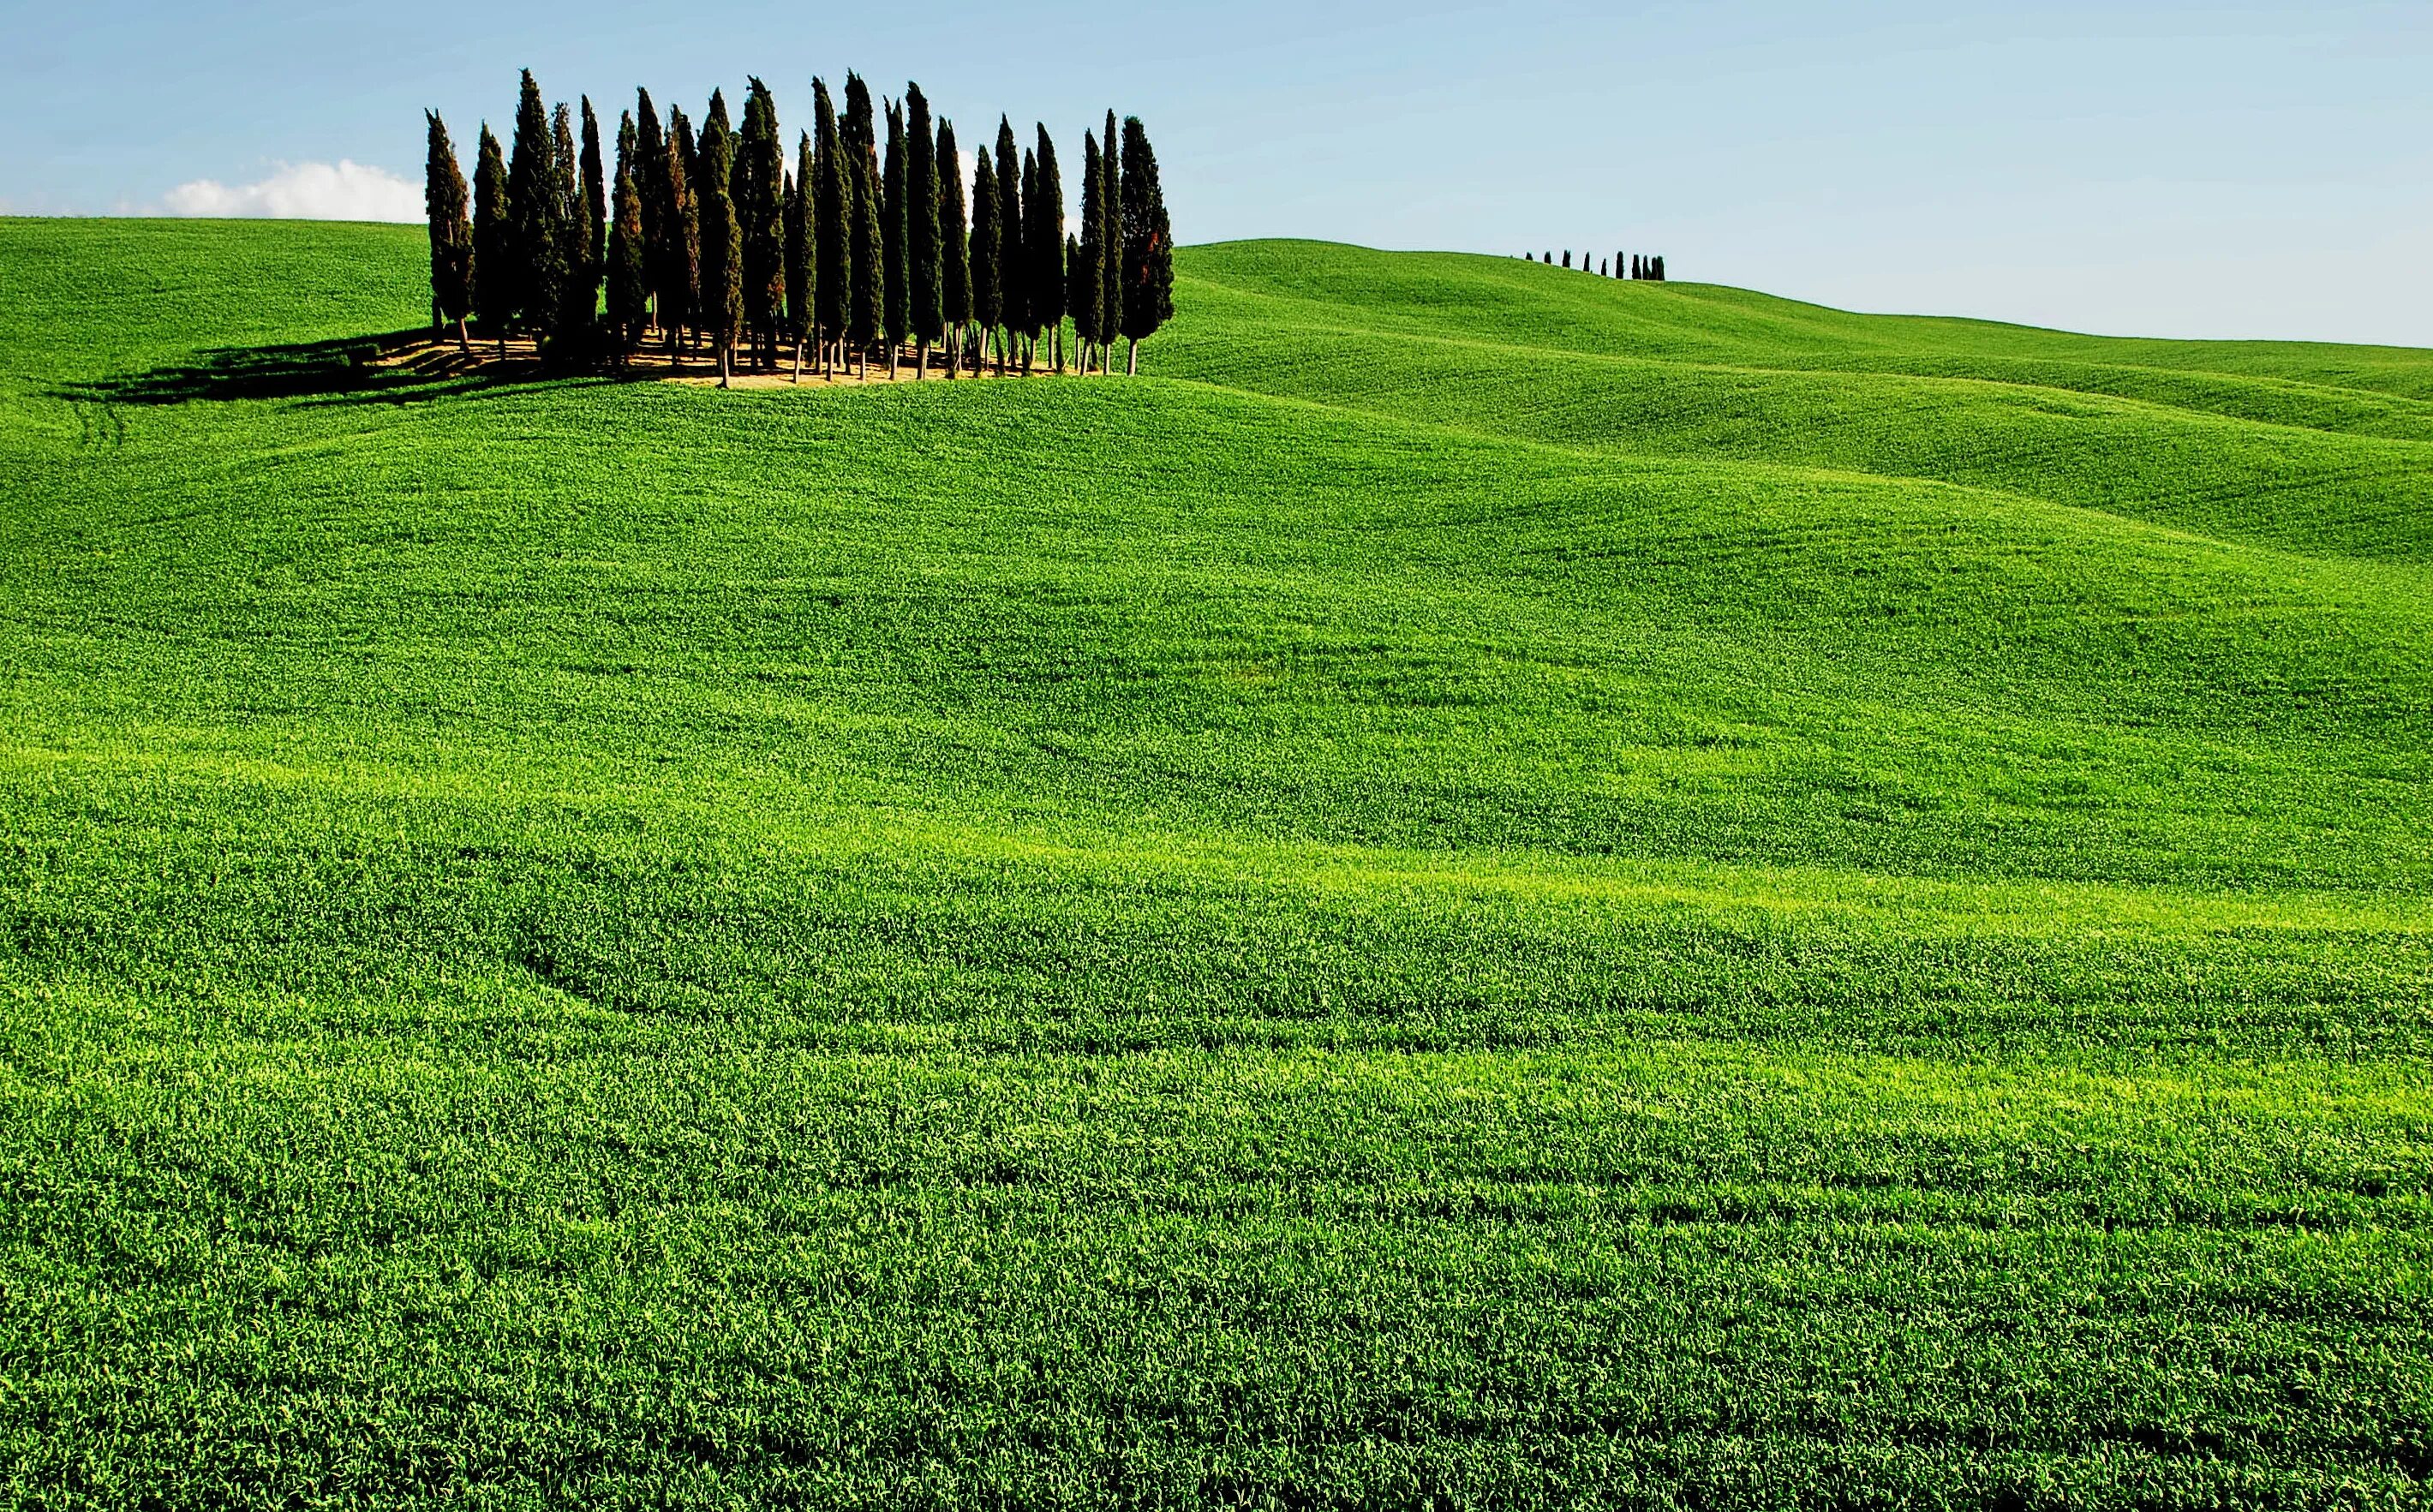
(865, 244)
(1633, 265)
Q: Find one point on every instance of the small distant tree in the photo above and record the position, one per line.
(1085, 280)
(923, 295)
(1110, 241)
(832, 226)
(494, 276)
(988, 301)
(1619, 267)
(801, 319)
(1604, 270)
(537, 210)
(680, 288)
(1012, 264)
(444, 199)
(722, 251)
(1044, 234)
(896, 301)
(761, 206)
(1148, 245)
(1659, 267)
(954, 249)
(629, 286)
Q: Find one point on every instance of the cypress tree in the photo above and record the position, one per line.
(452, 233)
(650, 160)
(1111, 246)
(1619, 266)
(760, 203)
(595, 186)
(800, 317)
(722, 251)
(921, 224)
(629, 288)
(537, 211)
(680, 286)
(865, 310)
(831, 208)
(572, 330)
(1044, 235)
(1080, 282)
(1149, 243)
(1085, 285)
(954, 248)
(896, 304)
(494, 274)
(1012, 294)
(988, 300)
(1659, 267)
(1033, 265)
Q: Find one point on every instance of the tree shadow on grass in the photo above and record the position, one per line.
(394, 367)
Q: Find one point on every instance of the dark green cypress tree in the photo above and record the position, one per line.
(495, 282)
(722, 250)
(1149, 243)
(1033, 264)
(760, 202)
(800, 317)
(680, 284)
(572, 331)
(536, 214)
(1013, 267)
(988, 252)
(1087, 283)
(895, 303)
(954, 247)
(865, 310)
(444, 197)
(629, 285)
(922, 293)
(595, 186)
(650, 160)
(1659, 267)
(831, 227)
(1080, 282)
(1044, 234)
(1110, 241)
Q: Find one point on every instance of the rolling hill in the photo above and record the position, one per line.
(1492, 888)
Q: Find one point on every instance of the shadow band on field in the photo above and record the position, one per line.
(392, 368)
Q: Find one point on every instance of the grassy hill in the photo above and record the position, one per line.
(1494, 886)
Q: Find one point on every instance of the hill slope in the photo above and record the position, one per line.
(1494, 885)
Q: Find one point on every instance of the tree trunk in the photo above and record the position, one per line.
(922, 349)
(1059, 348)
(891, 359)
(1131, 360)
(798, 359)
(725, 362)
(463, 337)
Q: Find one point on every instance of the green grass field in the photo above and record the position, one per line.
(1494, 889)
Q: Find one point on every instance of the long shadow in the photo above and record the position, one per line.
(349, 370)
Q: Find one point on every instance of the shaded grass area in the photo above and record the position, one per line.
(1734, 906)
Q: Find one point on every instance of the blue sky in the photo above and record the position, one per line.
(2153, 168)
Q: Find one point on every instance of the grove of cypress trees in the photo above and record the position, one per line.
(1149, 243)
(495, 281)
(858, 131)
(922, 293)
(452, 233)
(1044, 234)
(895, 296)
(629, 283)
(760, 205)
(954, 250)
(680, 281)
(1111, 244)
(722, 250)
(831, 210)
(1085, 284)
(800, 317)
(536, 210)
(987, 261)
(1012, 296)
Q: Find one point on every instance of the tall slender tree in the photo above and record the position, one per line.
(954, 247)
(1087, 284)
(800, 317)
(537, 211)
(571, 331)
(760, 202)
(1111, 240)
(680, 282)
(988, 253)
(831, 225)
(896, 305)
(452, 233)
(629, 285)
(1080, 282)
(1044, 236)
(1148, 245)
(495, 281)
(722, 251)
(920, 265)
(865, 311)
(1013, 267)
(595, 186)
(650, 160)
(1032, 297)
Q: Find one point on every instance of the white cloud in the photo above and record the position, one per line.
(304, 190)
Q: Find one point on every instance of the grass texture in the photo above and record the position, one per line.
(1493, 890)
